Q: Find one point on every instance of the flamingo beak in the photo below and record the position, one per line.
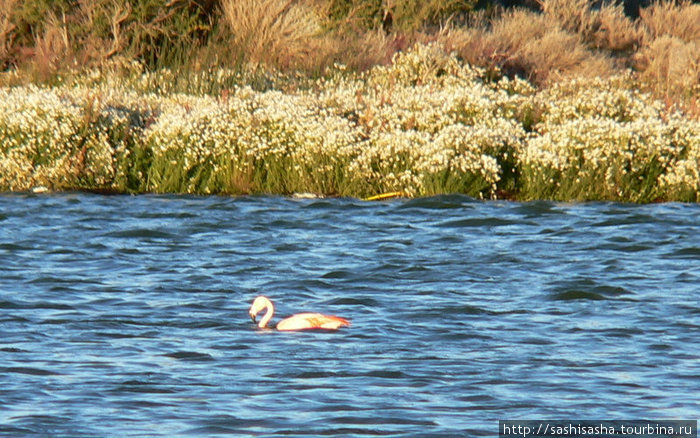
(252, 316)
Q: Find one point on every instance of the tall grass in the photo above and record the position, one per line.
(669, 58)
(677, 19)
(50, 37)
(7, 28)
(274, 33)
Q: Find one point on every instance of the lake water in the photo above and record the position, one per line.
(128, 315)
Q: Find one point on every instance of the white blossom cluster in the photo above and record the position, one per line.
(424, 116)
(607, 135)
(425, 124)
(248, 132)
(54, 137)
(683, 174)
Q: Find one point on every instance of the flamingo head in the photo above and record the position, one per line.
(260, 303)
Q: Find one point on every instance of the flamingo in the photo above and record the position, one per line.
(300, 321)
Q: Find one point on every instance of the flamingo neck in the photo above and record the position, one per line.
(268, 315)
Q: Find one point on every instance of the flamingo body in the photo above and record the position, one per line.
(300, 321)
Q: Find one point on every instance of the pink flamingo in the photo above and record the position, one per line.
(300, 321)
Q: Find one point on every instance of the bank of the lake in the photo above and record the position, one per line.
(426, 124)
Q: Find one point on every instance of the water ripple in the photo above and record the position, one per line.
(128, 315)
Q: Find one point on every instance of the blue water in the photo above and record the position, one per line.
(127, 316)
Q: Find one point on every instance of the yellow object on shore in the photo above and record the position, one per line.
(388, 195)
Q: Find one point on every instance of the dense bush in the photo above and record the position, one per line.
(425, 124)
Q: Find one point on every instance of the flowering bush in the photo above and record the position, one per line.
(60, 138)
(423, 125)
(604, 140)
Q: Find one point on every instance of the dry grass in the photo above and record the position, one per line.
(527, 44)
(571, 15)
(557, 55)
(614, 31)
(362, 51)
(669, 59)
(393, 16)
(671, 66)
(605, 28)
(7, 8)
(572, 38)
(46, 35)
(299, 35)
(276, 33)
(680, 20)
(53, 46)
(412, 15)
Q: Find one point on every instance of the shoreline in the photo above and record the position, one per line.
(508, 197)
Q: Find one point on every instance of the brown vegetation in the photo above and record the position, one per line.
(530, 45)
(276, 33)
(669, 57)
(566, 38)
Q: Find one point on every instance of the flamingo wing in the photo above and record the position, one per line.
(304, 321)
